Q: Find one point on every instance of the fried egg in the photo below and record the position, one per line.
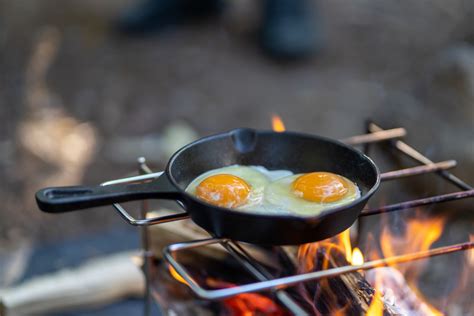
(232, 187)
(256, 189)
(311, 193)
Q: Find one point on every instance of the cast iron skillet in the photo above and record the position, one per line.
(291, 151)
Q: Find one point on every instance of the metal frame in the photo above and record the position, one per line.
(143, 221)
(265, 280)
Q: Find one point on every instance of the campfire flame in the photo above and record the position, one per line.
(320, 256)
(397, 283)
(357, 257)
(277, 124)
(176, 275)
(353, 255)
(344, 238)
(419, 234)
(339, 244)
(376, 305)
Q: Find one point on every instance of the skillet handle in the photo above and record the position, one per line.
(65, 199)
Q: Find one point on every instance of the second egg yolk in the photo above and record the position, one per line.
(223, 190)
(320, 187)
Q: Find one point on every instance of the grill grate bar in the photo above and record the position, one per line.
(420, 202)
(375, 137)
(418, 170)
(284, 282)
(417, 156)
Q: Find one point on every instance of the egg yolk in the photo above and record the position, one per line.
(223, 190)
(320, 187)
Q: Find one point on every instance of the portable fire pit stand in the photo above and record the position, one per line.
(265, 280)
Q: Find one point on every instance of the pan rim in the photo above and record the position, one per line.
(320, 216)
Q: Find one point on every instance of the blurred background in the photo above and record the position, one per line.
(80, 100)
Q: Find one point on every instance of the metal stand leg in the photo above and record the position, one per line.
(147, 255)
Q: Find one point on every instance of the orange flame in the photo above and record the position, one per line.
(357, 257)
(353, 255)
(340, 243)
(176, 275)
(277, 124)
(376, 305)
(321, 256)
(470, 253)
(345, 240)
(419, 235)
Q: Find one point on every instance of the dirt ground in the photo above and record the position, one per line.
(400, 63)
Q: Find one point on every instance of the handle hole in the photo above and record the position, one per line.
(58, 193)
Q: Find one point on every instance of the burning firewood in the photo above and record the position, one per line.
(397, 292)
(349, 293)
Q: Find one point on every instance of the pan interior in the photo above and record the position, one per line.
(296, 152)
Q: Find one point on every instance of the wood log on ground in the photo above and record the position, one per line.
(96, 283)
